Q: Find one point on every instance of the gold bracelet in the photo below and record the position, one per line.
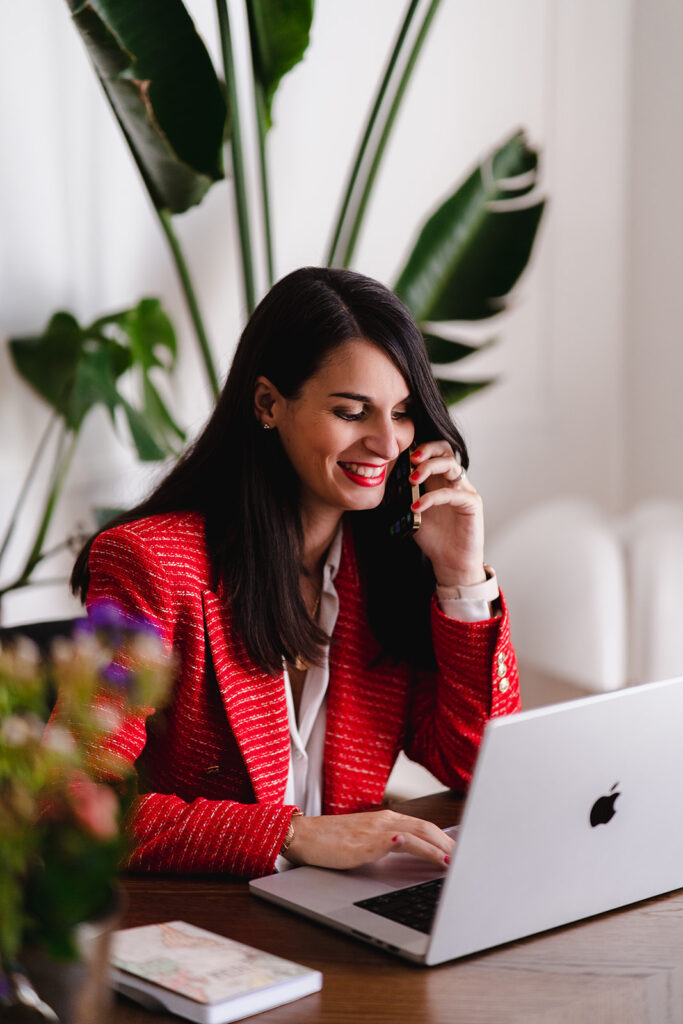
(289, 838)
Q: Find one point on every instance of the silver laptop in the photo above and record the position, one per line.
(573, 810)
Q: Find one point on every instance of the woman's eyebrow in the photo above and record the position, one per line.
(351, 395)
(361, 398)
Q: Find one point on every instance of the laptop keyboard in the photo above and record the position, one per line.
(414, 906)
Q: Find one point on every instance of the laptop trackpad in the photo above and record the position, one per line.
(397, 870)
(324, 890)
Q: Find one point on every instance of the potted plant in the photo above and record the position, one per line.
(178, 113)
(470, 250)
(60, 815)
(75, 368)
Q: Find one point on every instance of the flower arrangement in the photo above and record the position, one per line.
(63, 789)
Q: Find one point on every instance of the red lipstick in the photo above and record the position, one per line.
(364, 481)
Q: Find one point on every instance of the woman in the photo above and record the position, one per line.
(312, 647)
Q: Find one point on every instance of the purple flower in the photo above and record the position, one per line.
(109, 617)
(6, 990)
(117, 676)
(81, 626)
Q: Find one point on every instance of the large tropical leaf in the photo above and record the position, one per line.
(162, 86)
(75, 368)
(456, 390)
(279, 32)
(472, 250)
(449, 350)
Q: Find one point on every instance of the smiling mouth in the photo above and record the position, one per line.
(364, 474)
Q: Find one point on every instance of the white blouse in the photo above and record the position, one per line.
(307, 734)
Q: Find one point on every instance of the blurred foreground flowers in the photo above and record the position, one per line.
(64, 790)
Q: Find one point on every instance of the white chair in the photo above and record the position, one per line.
(409, 780)
(652, 535)
(561, 567)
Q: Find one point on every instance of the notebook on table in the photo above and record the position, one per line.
(574, 809)
(201, 976)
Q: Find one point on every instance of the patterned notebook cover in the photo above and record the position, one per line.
(198, 964)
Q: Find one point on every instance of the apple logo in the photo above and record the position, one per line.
(602, 810)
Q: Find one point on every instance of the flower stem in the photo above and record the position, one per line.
(165, 220)
(64, 455)
(340, 226)
(262, 126)
(237, 157)
(164, 217)
(349, 237)
(357, 221)
(28, 479)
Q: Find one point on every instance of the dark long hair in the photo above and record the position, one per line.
(239, 477)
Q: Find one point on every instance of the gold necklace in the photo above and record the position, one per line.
(299, 664)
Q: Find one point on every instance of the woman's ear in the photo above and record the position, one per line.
(265, 400)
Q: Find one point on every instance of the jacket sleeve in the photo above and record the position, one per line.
(168, 833)
(476, 679)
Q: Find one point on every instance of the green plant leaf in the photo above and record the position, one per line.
(152, 340)
(447, 350)
(456, 390)
(148, 329)
(75, 368)
(473, 249)
(103, 514)
(95, 379)
(162, 86)
(157, 413)
(147, 448)
(52, 379)
(153, 344)
(280, 31)
(68, 368)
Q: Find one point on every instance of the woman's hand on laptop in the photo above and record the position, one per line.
(349, 840)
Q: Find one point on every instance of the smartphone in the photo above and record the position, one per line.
(399, 495)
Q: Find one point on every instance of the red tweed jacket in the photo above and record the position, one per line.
(213, 765)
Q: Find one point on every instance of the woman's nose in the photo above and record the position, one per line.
(383, 441)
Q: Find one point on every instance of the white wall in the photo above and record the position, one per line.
(78, 231)
(653, 437)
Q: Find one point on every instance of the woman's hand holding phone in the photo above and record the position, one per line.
(399, 497)
(451, 533)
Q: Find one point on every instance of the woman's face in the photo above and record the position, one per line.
(346, 429)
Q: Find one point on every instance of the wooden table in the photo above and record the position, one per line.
(624, 967)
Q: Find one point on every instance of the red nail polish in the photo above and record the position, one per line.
(417, 454)
(394, 839)
(413, 475)
(447, 859)
(415, 505)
